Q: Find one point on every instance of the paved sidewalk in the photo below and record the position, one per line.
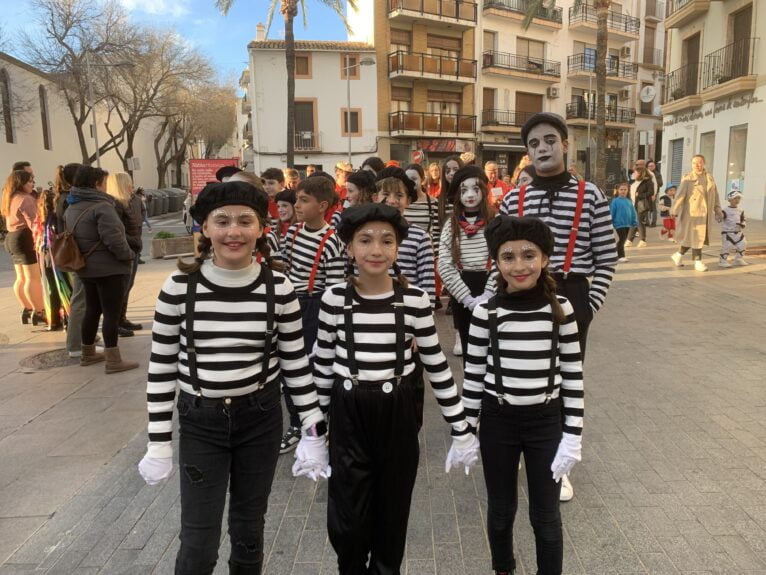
(673, 478)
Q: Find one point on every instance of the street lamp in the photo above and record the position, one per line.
(91, 100)
(347, 68)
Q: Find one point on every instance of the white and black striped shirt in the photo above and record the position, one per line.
(474, 256)
(525, 326)
(299, 252)
(229, 326)
(375, 346)
(416, 261)
(425, 215)
(595, 252)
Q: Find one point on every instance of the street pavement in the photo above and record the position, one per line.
(673, 478)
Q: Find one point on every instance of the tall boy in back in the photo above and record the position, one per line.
(314, 260)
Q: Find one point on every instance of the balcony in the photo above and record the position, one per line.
(518, 66)
(729, 71)
(307, 141)
(580, 113)
(420, 66)
(653, 58)
(655, 11)
(617, 72)
(549, 18)
(682, 89)
(620, 26)
(432, 125)
(451, 13)
(679, 13)
(504, 120)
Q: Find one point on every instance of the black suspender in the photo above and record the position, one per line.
(191, 353)
(348, 321)
(494, 344)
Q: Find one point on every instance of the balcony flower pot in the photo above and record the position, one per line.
(167, 244)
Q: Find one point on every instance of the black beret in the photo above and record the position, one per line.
(217, 195)
(544, 118)
(285, 196)
(362, 179)
(464, 173)
(509, 228)
(399, 174)
(354, 216)
(226, 172)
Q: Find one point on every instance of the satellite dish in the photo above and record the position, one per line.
(647, 94)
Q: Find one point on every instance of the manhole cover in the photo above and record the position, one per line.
(48, 360)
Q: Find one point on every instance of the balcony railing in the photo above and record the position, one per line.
(521, 6)
(732, 61)
(424, 122)
(454, 9)
(520, 63)
(683, 82)
(653, 56)
(583, 110)
(509, 118)
(616, 21)
(614, 67)
(674, 6)
(655, 9)
(306, 140)
(443, 66)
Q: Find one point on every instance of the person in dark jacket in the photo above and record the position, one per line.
(100, 235)
(119, 185)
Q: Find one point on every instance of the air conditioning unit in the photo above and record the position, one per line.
(624, 94)
(552, 92)
(625, 52)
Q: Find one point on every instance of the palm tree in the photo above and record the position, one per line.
(289, 10)
(602, 38)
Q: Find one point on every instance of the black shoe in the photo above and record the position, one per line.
(56, 327)
(26, 314)
(290, 439)
(38, 317)
(127, 324)
(122, 332)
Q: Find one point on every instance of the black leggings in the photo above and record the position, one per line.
(622, 235)
(696, 252)
(102, 296)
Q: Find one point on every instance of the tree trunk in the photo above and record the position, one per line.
(602, 37)
(290, 10)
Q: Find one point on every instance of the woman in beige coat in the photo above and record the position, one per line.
(696, 207)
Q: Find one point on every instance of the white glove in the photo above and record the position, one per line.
(568, 453)
(155, 470)
(312, 458)
(469, 301)
(464, 451)
(484, 297)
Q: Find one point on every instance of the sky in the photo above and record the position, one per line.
(223, 39)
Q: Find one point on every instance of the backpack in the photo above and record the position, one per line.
(64, 249)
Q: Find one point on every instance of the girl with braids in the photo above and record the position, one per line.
(523, 377)
(246, 322)
(366, 375)
(464, 262)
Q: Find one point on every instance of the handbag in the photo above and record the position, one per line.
(65, 251)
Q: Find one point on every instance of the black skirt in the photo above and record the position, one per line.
(21, 246)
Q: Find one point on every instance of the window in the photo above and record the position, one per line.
(443, 46)
(530, 49)
(44, 117)
(735, 170)
(5, 102)
(352, 118)
(490, 41)
(443, 102)
(707, 148)
(400, 40)
(349, 63)
(305, 116)
(401, 98)
(303, 65)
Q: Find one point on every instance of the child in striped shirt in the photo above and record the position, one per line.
(523, 376)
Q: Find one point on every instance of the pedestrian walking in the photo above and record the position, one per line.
(230, 419)
(668, 219)
(624, 219)
(733, 231)
(642, 193)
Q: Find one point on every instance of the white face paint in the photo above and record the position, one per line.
(470, 193)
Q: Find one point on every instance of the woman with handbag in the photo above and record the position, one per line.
(100, 235)
(642, 193)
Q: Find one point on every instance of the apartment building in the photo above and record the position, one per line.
(325, 125)
(715, 94)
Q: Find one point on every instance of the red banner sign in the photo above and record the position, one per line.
(202, 172)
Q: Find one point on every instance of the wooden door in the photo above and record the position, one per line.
(527, 105)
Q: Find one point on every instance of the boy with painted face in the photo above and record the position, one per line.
(584, 255)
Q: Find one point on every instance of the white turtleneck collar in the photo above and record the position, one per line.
(230, 278)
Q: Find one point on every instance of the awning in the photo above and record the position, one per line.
(507, 147)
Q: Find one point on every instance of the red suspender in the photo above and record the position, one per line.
(575, 226)
(317, 257)
(522, 192)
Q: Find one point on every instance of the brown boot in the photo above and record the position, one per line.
(90, 355)
(115, 363)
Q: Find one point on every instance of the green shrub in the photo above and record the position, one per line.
(164, 235)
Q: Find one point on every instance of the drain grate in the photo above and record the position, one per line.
(48, 360)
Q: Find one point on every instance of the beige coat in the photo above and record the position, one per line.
(697, 208)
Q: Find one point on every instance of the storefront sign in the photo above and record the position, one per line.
(445, 145)
(745, 100)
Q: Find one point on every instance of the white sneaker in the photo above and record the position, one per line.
(672, 240)
(628, 244)
(567, 491)
(723, 264)
(741, 262)
(676, 257)
(623, 260)
(699, 266)
(458, 349)
(642, 244)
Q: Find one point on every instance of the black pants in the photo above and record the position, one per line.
(644, 218)
(103, 296)
(374, 456)
(223, 448)
(505, 433)
(576, 288)
(476, 282)
(130, 279)
(622, 235)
